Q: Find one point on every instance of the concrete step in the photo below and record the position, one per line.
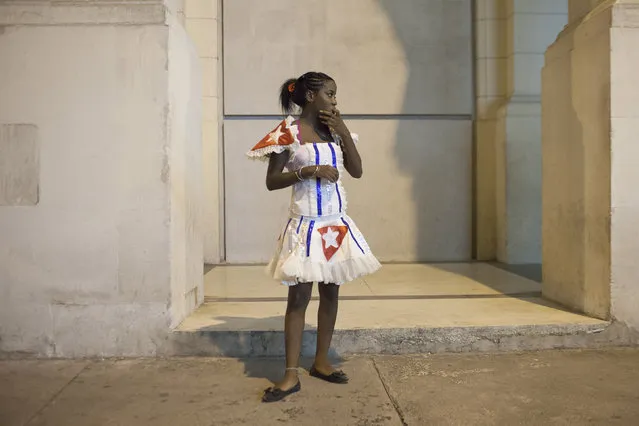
(395, 341)
(405, 309)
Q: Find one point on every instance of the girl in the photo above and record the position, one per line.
(320, 243)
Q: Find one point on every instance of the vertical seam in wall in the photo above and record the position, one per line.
(474, 196)
(221, 142)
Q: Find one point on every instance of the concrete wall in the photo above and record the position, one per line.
(511, 37)
(176, 9)
(407, 67)
(578, 9)
(576, 168)
(202, 20)
(490, 91)
(390, 47)
(385, 196)
(184, 172)
(590, 122)
(86, 268)
(532, 26)
(203, 25)
(624, 127)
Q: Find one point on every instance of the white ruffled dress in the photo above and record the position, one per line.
(319, 243)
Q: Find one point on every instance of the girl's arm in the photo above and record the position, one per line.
(352, 160)
(276, 178)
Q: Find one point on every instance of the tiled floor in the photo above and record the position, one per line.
(399, 296)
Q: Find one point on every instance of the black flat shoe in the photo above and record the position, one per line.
(338, 377)
(275, 394)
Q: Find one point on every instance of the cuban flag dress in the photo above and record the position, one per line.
(319, 242)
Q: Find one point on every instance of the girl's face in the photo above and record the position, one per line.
(325, 99)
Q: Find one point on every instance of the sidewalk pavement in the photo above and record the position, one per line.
(542, 388)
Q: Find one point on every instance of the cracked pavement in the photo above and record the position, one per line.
(593, 387)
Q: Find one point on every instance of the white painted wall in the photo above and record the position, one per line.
(624, 127)
(532, 26)
(511, 37)
(409, 57)
(406, 63)
(413, 203)
(185, 173)
(88, 270)
(203, 26)
(105, 256)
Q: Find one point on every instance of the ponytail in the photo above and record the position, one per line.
(293, 91)
(286, 95)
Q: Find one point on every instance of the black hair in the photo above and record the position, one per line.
(293, 91)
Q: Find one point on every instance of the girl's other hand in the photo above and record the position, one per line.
(324, 172)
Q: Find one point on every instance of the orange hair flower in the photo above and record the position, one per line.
(291, 88)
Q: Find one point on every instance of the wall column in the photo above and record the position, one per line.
(203, 26)
(590, 108)
(100, 180)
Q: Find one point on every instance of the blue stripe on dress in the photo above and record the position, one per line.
(308, 237)
(352, 235)
(299, 225)
(286, 229)
(339, 196)
(319, 182)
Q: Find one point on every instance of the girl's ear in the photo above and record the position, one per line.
(310, 96)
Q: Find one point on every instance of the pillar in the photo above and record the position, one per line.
(490, 90)
(590, 109)
(202, 19)
(100, 248)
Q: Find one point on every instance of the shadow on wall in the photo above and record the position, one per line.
(436, 153)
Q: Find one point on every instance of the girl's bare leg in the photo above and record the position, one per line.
(326, 316)
(298, 297)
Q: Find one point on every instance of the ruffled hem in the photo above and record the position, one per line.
(294, 270)
(263, 154)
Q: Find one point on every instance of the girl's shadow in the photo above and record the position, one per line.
(263, 340)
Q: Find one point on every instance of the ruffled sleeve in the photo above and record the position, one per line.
(282, 138)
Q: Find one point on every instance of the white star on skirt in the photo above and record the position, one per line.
(330, 238)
